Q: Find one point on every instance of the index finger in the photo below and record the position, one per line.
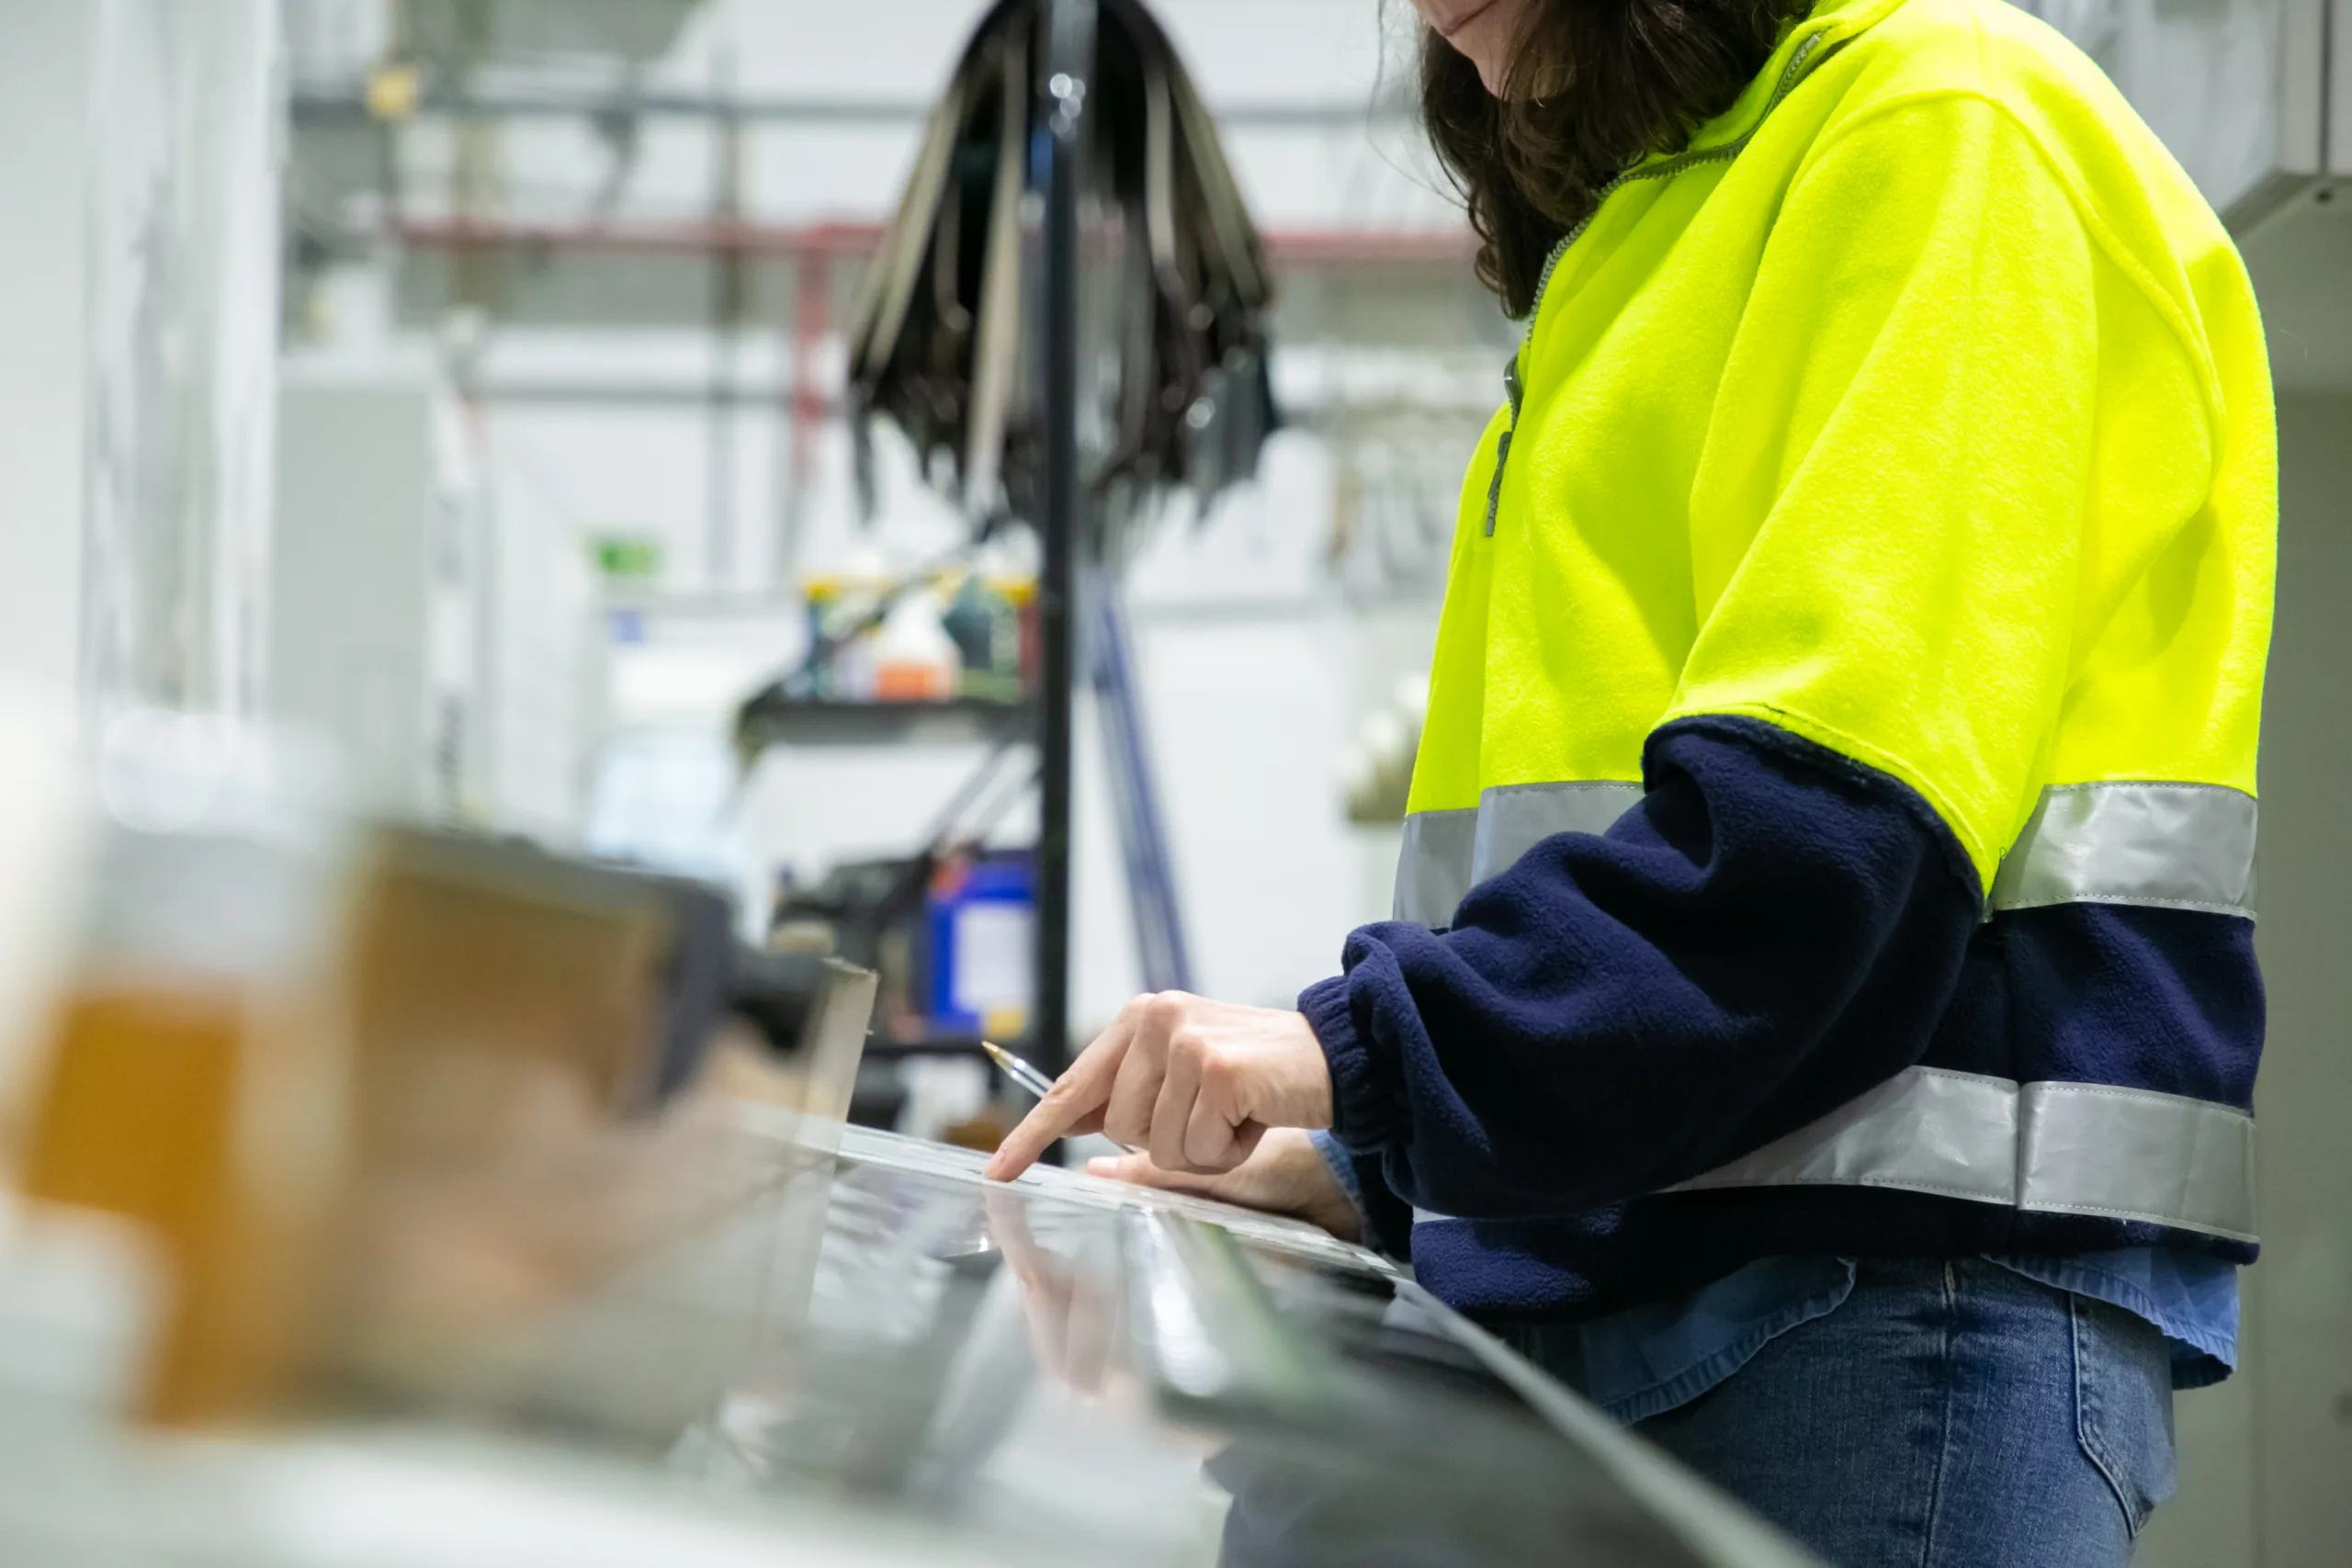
(1080, 1091)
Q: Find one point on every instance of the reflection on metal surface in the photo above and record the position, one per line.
(1188, 1358)
(1207, 1323)
(1076, 1370)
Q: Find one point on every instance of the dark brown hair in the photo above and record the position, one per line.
(1593, 87)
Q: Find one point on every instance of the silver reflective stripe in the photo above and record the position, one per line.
(2177, 846)
(2126, 1153)
(1514, 818)
(1433, 864)
(1448, 853)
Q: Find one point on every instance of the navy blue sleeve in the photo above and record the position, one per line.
(1774, 929)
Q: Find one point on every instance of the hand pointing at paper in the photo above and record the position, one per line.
(1194, 1083)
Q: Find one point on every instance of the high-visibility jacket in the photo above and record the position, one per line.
(1901, 452)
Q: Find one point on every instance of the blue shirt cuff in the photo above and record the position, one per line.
(1343, 1171)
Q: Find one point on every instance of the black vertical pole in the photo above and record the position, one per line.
(1068, 59)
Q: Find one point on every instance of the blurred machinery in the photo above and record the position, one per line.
(946, 340)
(1071, 397)
(443, 631)
(363, 1088)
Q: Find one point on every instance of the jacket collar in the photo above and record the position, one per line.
(1833, 21)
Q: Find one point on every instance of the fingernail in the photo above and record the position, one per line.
(1101, 1164)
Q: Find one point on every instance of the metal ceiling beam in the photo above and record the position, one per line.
(320, 104)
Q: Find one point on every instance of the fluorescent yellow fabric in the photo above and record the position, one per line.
(1934, 426)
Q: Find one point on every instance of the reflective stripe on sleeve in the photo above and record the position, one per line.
(1433, 864)
(1446, 854)
(2059, 1148)
(2066, 1148)
(2174, 846)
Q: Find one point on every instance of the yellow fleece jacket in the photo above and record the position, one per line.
(1921, 408)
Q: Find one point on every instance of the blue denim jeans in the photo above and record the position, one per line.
(1945, 1415)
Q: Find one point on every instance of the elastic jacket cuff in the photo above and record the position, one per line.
(1364, 1104)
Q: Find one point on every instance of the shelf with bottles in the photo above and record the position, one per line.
(933, 636)
(775, 717)
(943, 654)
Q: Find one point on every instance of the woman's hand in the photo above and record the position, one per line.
(1071, 1310)
(1285, 1174)
(1193, 1083)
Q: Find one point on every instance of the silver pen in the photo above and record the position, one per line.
(1019, 1071)
(1030, 1078)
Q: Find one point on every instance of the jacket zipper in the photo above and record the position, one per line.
(1807, 53)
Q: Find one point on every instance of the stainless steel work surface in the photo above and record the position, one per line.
(870, 1356)
(1076, 1367)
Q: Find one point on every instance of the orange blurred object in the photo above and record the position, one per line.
(159, 1107)
(913, 682)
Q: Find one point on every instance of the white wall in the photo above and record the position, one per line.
(137, 338)
(544, 671)
(44, 103)
(2265, 1458)
(182, 331)
(2301, 1456)
(353, 617)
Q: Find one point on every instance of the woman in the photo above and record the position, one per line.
(1822, 1017)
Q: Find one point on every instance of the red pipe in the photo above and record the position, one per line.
(811, 396)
